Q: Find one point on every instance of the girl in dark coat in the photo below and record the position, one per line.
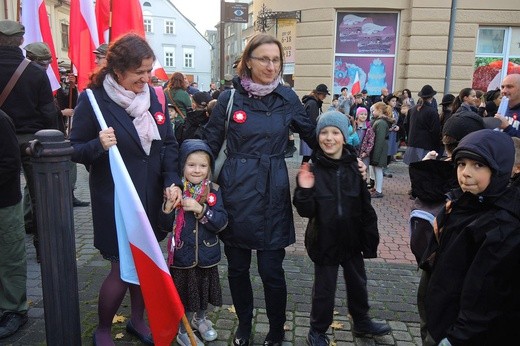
(342, 228)
(194, 247)
(141, 128)
(382, 121)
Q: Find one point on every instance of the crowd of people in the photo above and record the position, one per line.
(170, 138)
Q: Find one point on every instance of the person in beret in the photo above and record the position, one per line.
(101, 54)
(30, 106)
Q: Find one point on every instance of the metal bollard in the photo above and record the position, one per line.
(51, 154)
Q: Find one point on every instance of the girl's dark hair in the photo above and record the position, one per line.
(255, 42)
(492, 95)
(177, 81)
(124, 54)
(408, 92)
(460, 99)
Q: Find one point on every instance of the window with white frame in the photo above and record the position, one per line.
(189, 61)
(169, 27)
(64, 36)
(496, 47)
(148, 27)
(169, 57)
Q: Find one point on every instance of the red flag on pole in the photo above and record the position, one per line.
(83, 38)
(127, 16)
(103, 20)
(356, 86)
(37, 29)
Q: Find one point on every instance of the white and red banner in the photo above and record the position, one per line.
(141, 259)
(84, 39)
(356, 86)
(103, 20)
(37, 29)
(158, 70)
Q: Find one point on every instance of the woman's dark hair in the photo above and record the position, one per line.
(177, 81)
(460, 99)
(492, 95)
(255, 42)
(408, 93)
(124, 54)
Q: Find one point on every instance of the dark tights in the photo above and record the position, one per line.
(111, 295)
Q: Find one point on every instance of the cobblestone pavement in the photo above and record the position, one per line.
(393, 279)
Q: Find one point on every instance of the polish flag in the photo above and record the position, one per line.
(127, 16)
(84, 39)
(103, 20)
(158, 70)
(141, 259)
(356, 86)
(37, 29)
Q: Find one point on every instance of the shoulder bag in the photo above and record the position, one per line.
(222, 154)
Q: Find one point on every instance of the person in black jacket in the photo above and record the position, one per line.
(474, 257)
(312, 104)
(342, 229)
(13, 261)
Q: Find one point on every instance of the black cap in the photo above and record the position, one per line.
(460, 125)
(322, 88)
(201, 98)
(447, 99)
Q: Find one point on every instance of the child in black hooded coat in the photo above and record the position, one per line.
(474, 259)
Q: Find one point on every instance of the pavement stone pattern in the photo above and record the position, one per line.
(392, 280)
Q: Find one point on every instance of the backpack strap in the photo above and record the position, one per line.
(14, 78)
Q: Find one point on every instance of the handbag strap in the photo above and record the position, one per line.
(228, 111)
(175, 104)
(12, 82)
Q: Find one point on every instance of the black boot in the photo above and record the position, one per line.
(368, 327)
(77, 203)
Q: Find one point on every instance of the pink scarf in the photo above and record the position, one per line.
(259, 90)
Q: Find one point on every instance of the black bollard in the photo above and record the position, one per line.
(51, 154)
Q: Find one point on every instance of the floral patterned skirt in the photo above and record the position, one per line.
(197, 287)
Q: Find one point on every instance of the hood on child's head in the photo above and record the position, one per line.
(493, 148)
(190, 146)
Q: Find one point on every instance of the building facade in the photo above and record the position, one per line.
(403, 43)
(177, 44)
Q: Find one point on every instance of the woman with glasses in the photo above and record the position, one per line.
(255, 182)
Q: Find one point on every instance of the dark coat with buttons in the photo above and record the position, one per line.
(342, 221)
(199, 244)
(150, 174)
(254, 178)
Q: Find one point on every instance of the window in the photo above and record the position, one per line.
(64, 36)
(148, 25)
(496, 47)
(169, 27)
(169, 57)
(188, 57)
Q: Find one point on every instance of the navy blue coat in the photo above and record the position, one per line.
(150, 173)
(199, 245)
(254, 179)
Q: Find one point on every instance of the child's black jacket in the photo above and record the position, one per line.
(342, 220)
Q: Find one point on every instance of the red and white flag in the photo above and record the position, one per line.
(37, 29)
(356, 86)
(158, 70)
(141, 259)
(103, 20)
(127, 16)
(84, 39)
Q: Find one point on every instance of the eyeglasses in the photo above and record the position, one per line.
(100, 57)
(264, 61)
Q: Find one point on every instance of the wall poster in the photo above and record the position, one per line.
(365, 44)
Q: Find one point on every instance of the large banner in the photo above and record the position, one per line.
(286, 34)
(365, 45)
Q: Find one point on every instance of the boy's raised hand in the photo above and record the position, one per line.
(305, 176)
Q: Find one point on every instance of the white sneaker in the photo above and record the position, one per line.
(205, 328)
(184, 340)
